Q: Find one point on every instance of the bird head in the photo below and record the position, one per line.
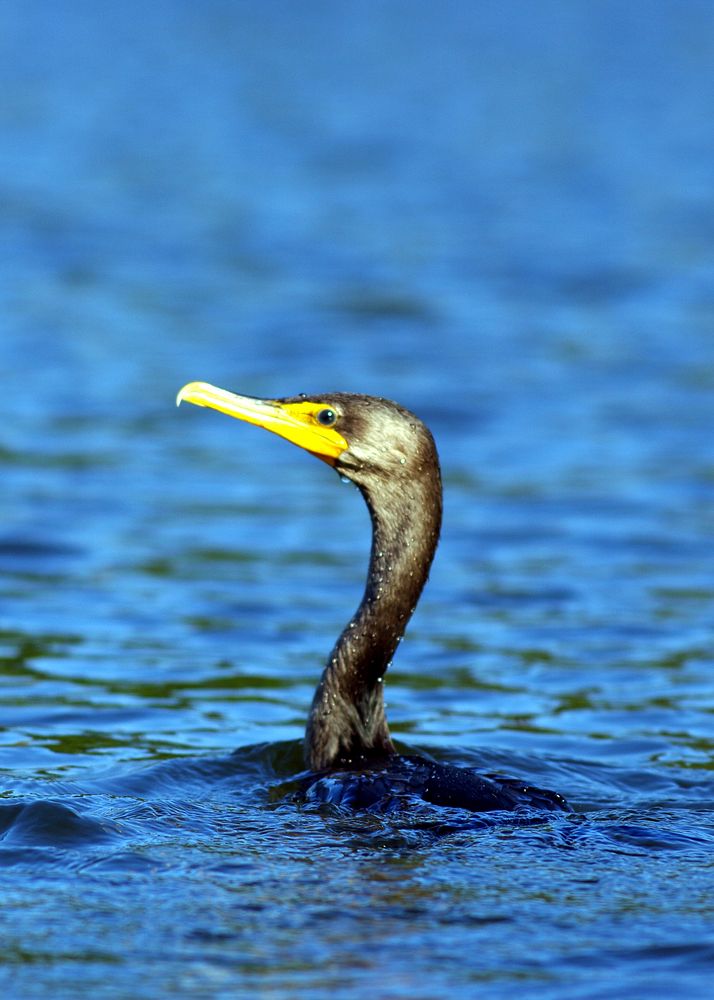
(362, 437)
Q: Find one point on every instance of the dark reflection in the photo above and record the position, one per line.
(18, 652)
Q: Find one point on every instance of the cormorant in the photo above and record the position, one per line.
(391, 457)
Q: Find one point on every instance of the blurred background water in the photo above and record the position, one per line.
(500, 214)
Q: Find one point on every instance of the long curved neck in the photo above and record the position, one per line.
(347, 724)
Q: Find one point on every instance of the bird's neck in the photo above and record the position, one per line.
(347, 723)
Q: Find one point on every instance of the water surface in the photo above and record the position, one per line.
(502, 218)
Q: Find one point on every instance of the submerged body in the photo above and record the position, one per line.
(396, 781)
(391, 456)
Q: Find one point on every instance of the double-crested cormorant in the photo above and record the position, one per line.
(391, 457)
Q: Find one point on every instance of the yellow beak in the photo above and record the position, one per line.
(294, 421)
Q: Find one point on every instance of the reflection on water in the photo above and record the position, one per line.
(504, 220)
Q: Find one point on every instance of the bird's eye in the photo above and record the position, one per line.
(326, 417)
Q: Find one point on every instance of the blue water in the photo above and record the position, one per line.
(501, 215)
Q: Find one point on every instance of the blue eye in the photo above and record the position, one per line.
(326, 417)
